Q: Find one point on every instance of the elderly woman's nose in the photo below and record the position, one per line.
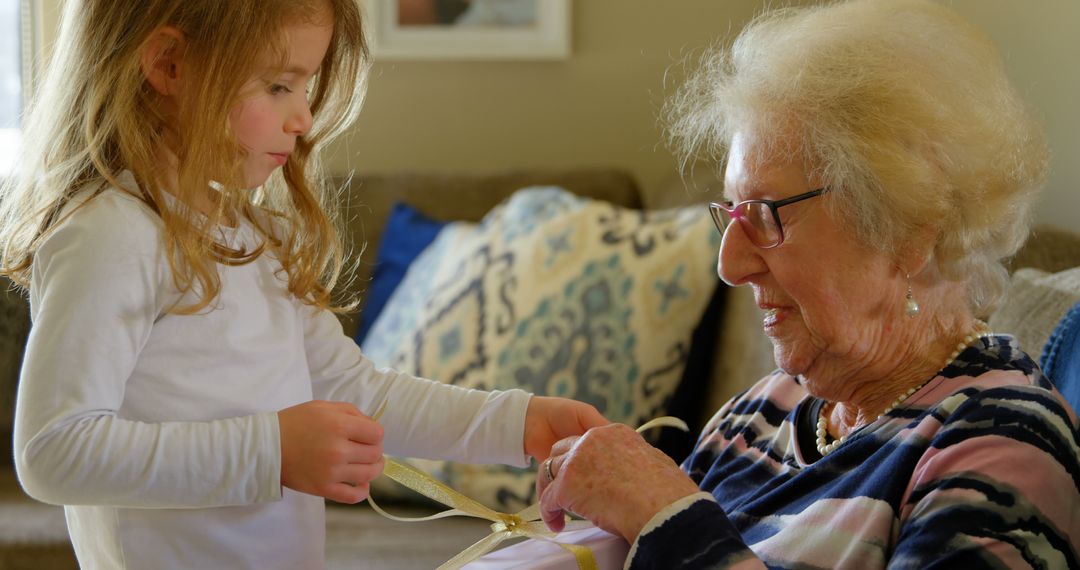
(738, 259)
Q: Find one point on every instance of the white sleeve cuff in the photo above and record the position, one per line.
(268, 470)
(517, 406)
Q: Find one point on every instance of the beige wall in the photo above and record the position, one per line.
(599, 107)
(1040, 42)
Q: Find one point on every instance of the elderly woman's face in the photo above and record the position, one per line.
(828, 300)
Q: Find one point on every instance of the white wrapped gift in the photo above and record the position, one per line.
(610, 552)
(606, 550)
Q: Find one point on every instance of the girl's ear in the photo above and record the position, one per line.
(162, 59)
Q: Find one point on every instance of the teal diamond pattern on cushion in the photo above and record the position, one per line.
(450, 344)
(669, 290)
(461, 310)
(579, 344)
(558, 243)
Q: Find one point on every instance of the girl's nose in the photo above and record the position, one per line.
(739, 259)
(299, 121)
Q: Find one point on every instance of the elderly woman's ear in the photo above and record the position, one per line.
(918, 251)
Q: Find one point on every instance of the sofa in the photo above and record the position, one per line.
(728, 351)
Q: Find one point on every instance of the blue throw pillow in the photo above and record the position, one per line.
(407, 233)
(1061, 357)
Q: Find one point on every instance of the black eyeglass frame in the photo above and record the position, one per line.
(716, 208)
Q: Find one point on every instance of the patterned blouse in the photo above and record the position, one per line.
(978, 469)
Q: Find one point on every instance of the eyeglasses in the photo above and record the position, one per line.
(759, 218)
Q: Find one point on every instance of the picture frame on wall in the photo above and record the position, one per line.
(469, 29)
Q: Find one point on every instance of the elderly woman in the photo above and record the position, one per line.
(878, 167)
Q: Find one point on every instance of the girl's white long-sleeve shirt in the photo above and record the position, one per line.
(158, 432)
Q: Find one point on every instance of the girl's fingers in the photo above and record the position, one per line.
(359, 453)
(347, 408)
(359, 472)
(362, 429)
(590, 417)
(347, 493)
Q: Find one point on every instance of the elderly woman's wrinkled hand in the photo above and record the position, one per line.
(612, 477)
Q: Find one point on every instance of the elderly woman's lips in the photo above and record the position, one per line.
(773, 317)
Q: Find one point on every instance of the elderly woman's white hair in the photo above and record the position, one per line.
(902, 107)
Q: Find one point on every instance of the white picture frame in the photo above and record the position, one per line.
(546, 38)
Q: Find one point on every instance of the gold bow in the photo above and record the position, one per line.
(504, 526)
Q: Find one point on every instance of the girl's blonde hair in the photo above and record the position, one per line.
(901, 107)
(95, 116)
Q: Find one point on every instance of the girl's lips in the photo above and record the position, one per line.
(279, 158)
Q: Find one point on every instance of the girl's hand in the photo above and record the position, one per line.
(612, 477)
(329, 449)
(548, 420)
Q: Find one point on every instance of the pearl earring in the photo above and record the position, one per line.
(911, 308)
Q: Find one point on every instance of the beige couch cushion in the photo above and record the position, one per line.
(1035, 303)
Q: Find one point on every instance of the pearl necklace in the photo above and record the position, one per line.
(982, 330)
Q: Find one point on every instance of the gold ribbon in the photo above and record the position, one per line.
(526, 523)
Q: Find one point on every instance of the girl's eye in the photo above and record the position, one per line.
(278, 89)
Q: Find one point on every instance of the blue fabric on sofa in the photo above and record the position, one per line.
(407, 233)
(1061, 356)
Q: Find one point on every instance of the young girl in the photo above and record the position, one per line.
(187, 392)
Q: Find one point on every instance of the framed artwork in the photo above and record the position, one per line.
(469, 29)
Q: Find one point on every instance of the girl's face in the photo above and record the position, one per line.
(275, 111)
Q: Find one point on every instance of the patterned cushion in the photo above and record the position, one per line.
(1035, 302)
(558, 295)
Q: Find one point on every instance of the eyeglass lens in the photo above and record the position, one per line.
(757, 221)
(758, 217)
